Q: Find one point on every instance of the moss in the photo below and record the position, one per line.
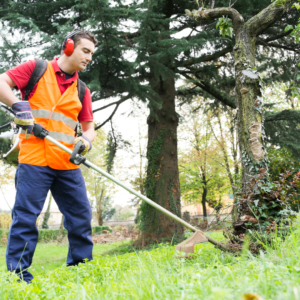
(152, 179)
(279, 3)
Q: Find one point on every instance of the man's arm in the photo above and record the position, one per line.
(6, 94)
(88, 129)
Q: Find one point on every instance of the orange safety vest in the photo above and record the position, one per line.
(58, 114)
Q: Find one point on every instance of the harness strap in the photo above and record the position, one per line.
(39, 70)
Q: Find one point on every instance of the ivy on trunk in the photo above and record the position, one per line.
(162, 182)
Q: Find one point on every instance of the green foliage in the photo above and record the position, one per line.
(273, 274)
(225, 26)
(284, 134)
(99, 188)
(3, 233)
(284, 168)
(49, 235)
(99, 229)
(296, 30)
(4, 143)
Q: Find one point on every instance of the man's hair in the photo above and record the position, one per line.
(83, 34)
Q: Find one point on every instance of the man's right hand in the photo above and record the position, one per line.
(23, 118)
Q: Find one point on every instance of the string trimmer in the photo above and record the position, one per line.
(186, 246)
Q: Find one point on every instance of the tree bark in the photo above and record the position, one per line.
(47, 214)
(204, 196)
(248, 96)
(99, 207)
(162, 178)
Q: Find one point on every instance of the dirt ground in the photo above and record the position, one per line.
(119, 233)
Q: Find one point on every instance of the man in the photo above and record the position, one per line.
(54, 103)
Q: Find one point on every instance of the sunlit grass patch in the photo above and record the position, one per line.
(157, 274)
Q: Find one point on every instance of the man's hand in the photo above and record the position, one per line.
(86, 144)
(23, 118)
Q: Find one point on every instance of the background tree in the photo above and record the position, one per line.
(47, 214)
(99, 188)
(249, 99)
(202, 174)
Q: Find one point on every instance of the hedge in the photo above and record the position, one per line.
(3, 233)
(47, 235)
(99, 229)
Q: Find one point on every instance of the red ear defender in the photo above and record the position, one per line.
(68, 44)
(69, 47)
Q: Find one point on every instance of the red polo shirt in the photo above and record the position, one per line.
(20, 75)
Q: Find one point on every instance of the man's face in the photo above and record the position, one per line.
(82, 54)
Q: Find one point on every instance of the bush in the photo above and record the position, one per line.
(99, 229)
(47, 235)
(5, 220)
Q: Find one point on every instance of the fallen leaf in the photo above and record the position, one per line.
(251, 297)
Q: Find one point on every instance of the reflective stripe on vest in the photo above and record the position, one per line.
(45, 114)
(59, 136)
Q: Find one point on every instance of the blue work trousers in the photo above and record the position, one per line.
(69, 192)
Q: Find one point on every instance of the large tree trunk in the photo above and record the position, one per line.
(249, 101)
(250, 114)
(250, 124)
(162, 181)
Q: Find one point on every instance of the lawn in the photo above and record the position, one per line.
(49, 256)
(157, 274)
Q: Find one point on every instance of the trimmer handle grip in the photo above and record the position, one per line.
(76, 158)
(39, 131)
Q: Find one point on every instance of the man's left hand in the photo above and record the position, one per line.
(86, 144)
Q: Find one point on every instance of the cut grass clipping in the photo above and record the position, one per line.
(157, 274)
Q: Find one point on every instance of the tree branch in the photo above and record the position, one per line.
(204, 58)
(275, 45)
(117, 103)
(268, 16)
(284, 115)
(279, 36)
(113, 103)
(218, 95)
(206, 14)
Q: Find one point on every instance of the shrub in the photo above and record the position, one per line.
(47, 235)
(99, 229)
(5, 220)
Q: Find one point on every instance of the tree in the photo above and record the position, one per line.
(202, 175)
(99, 188)
(249, 99)
(47, 214)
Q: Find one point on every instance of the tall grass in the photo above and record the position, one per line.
(157, 274)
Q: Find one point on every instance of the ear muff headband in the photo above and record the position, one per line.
(68, 44)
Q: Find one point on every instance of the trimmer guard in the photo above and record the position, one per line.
(188, 245)
(12, 157)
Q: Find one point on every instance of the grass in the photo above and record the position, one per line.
(157, 274)
(49, 256)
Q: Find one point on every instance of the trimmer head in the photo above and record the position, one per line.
(11, 157)
(188, 245)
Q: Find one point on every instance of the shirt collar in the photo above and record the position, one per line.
(57, 70)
